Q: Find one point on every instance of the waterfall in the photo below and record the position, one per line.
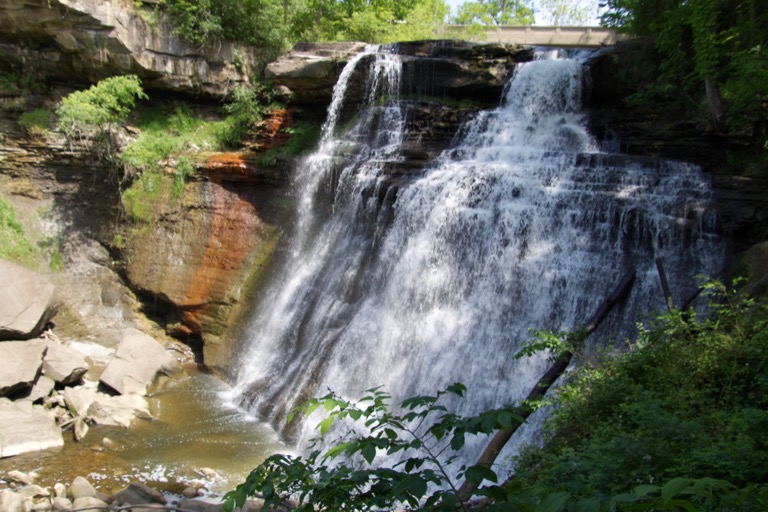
(522, 224)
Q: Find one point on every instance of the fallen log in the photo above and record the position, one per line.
(499, 440)
(665, 284)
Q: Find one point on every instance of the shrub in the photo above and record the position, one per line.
(244, 109)
(691, 399)
(304, 137)
(35, 122)
(420, 435)
(94, 112)
(14, 245)
(168, 131)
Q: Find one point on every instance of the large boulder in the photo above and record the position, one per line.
(26, 302)
(87, 40)
(113, 411)
(63, 364)
(137, 361)
(79, 399)
(310, 70)
(25, 427)
(43, 387)
(118, 411)
(22, 361)
(138, 494)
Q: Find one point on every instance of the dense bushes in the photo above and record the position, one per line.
(91, 116)
(690, 399)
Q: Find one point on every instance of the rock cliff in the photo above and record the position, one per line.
(667, 131)
(195, 261)
(444, 69)
(83, 41)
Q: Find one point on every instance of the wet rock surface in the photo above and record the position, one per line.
(136, 363)
(666, 131)
(23, 494)
(455, 69)
(26, 427)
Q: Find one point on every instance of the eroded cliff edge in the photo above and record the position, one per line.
(82, 41)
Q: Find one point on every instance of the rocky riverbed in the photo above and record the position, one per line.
(119, 409)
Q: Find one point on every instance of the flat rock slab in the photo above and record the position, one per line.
(137, 361)
(21, 361)
(118, 411)
(115, 411)
(26, 428)
(26, 302)
(64, 365)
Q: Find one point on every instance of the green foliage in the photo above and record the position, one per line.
(9, 82)
(746, 93)
(195, 20)
(169, 130)
(275, 25)
(35, 122)
(97, 109)
(253, 22)
(16, 86)
(14, 245)
(140, 197)
(676, 423)
(304, 137)
(710, 56)
(244, 108)
(677, 494)
(495, 12)
(691, 399)
(360, 472)
(184, 168)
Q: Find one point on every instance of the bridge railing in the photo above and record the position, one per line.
(568, 37)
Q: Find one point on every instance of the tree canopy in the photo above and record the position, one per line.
(712, 54)
(567, 12)
(276, 24)
(495, 12)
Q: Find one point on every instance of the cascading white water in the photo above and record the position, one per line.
(522, 225)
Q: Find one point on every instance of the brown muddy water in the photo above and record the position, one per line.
(193, 428)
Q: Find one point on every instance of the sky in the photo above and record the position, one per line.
(453, 4)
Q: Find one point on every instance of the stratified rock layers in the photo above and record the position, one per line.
(87, 40)
(199, 254)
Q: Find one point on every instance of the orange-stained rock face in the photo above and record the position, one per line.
(199, 254)
(272, 131)
(200, 251)
(234, 231)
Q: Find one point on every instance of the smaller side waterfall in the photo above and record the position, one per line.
(523, 224)
(339, 224)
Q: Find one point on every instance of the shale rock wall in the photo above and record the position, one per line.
(83, 41)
